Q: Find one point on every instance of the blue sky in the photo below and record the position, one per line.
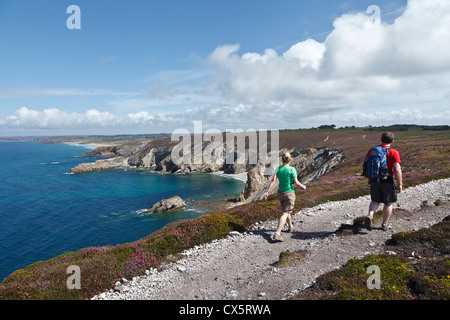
(155, 66)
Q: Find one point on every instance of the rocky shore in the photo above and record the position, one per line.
(245, 265)
(173, 203)
(156, 155)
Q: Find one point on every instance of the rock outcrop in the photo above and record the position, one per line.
(112, 151)
(310, 165)
(104, 164)
(173, 203)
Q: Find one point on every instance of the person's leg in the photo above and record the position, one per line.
(289, 220)
(277, 235)
(287, 200)
(390, 197)
(373, 206)
(282, 221)
(375, 197)
(289, 209)
(368, 220)
(387, 211)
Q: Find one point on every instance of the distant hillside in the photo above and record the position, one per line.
(93, 139)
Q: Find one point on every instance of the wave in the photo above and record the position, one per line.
(139, 211)
(194, 210)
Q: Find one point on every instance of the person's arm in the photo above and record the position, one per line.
(398, 176)
(274, 180)
(297, 183)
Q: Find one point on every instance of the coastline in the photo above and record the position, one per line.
(209, 205)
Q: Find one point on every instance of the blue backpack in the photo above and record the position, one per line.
(375, 165)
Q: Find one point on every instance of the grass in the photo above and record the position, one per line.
(426, 242)
(400, 278)
(350, 282)
(424, 158)
(289, 258)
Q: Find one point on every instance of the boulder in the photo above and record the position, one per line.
(173, 203)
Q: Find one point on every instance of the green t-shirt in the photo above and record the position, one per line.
(286, 175)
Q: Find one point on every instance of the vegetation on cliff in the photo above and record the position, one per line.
(418, 268)
(101, 267)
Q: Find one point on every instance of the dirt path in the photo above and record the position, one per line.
(243, 265)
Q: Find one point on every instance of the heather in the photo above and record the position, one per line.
(424, 155)
(424, 158)
(101, 267)
(403, 276)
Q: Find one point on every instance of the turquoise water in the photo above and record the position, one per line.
(45, 212)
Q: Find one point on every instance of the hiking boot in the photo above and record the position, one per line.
(368, 223)
(277, 237)
(291, 229)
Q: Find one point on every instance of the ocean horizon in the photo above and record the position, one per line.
(45, 212)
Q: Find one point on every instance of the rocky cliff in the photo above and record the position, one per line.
(157, 155)
(310, 164)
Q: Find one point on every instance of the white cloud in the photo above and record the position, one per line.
(308, 53)
(360, 62)
(407, 115)
(222, 118)
(15, 92)
(416, 43)
(54, 119)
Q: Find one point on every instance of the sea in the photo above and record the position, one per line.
(45, 212)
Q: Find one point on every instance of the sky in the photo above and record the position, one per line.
(152, 66)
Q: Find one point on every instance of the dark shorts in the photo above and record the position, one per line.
(287, 201)
(383, 192)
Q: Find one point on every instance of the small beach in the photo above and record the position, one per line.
(238, 176)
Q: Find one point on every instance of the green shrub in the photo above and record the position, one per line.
(350, 282)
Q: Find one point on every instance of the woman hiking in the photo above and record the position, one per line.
(287, 178)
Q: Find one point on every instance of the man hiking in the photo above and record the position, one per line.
(386, 181)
